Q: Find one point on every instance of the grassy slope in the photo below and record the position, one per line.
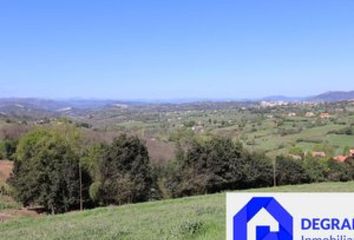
(200, 217)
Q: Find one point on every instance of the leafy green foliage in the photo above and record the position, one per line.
(337, 171)
(316, 168)
(290, 171)
(343, 131)
(349, 164)
(8, 149)
(124, 172)
(218, 164)
(46, 172)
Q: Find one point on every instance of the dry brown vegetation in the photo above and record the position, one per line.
(15, 210)
(5, 169)
(160, 152)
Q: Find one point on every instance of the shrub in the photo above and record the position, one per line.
(315, 168)
(344, 131)
(337, 171)
(218, 164)
(290, 171)
(8, 149)
(349, 165)
(258, 170)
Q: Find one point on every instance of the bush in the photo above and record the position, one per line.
(344, 131)
(337, 171)
(218, 164)
(8, 149)
(290, 171)
(5, 189)
(258, 170)
(316, 169)
(349, 165)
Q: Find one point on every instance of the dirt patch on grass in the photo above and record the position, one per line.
(9, 214)
(10, 209)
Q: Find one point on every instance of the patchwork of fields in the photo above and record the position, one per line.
(274, 130)
(270, 129)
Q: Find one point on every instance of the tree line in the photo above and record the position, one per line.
(57, 169)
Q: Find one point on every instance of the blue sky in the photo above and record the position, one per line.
(167, 49)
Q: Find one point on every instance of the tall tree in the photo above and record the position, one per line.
(46, 171)
(124, 172)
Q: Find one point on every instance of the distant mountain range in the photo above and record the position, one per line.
(333, 96)
(283, 98)
(51, 105)
(20, 106)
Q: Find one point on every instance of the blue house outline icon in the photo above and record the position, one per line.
(274, 208)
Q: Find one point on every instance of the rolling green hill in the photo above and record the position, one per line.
(201, 217)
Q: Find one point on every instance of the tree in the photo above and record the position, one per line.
(290, 171)
(349, 165)
(315, 168)
(218, 164)
(46, 172)
(258, 170)
(212, 166)
(124, 172)
(337, 171)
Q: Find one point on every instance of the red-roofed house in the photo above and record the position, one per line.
(340, 158)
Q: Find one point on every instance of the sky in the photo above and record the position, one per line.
(175, 49)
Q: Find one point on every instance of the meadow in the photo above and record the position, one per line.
(201, 217)
(272, 130)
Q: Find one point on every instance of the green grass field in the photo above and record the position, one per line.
(201, 217)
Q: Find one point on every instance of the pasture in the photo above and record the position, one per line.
(200, 218)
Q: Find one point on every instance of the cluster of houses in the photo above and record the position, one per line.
(310, 114)
(323, 115)
(343, 158)
(266, 104)
(339, 158)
